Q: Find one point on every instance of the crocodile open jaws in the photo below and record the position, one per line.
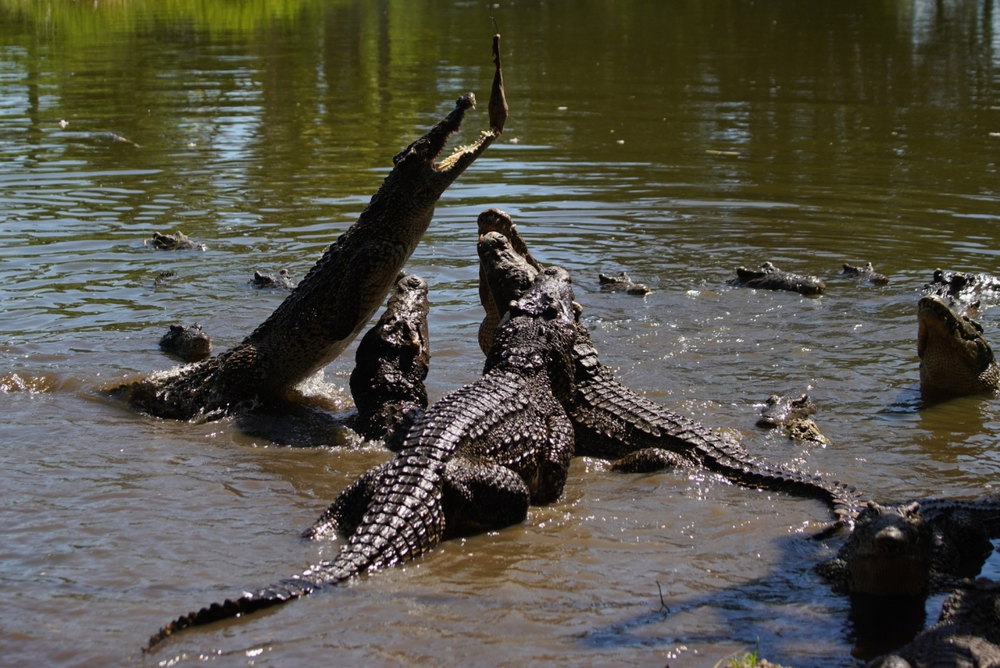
(331, 305)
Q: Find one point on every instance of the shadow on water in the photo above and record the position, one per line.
(739, 606)
(871, 625)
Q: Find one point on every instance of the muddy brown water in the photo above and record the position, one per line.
(673, 140)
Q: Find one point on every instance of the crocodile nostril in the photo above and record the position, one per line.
(890, 539)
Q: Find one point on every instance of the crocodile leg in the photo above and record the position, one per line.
(345, 513)
(649, 460)
(555, 459)
(483, 496)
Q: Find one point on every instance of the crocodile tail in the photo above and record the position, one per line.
(405, 519)
(612, 420)
(230, 609)
(733, 461)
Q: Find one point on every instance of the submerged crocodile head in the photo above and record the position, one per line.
(188, 343)
(955, 358)
(889, 552)
(778, 411)
(770, 277)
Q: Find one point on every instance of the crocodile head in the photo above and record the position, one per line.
(889, 552)
(419, 175)
(538, 331)
(188, 343)
(508, 274)
(494, 296)
(955, 358)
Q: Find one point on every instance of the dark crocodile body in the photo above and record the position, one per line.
(914, 548)
(391, 364)
(612, 422)
(865, 274)
(331, 305)
(189, 344)
(622, 283)
(967, 634)
(769, 277)
(955, 358)
(474, 460)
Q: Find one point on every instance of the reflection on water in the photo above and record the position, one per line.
(675, 141)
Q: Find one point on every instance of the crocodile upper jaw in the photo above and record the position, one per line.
(416, 166)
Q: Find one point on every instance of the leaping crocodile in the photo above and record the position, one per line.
(475, 460)
(495, 220)
(335, 300)
(613, 422)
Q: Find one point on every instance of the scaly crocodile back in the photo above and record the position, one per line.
(404, 519)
